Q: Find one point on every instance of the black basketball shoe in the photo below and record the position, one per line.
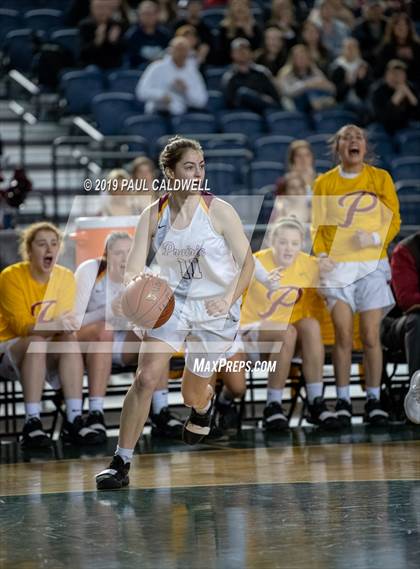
(96, 421)
(274, 419)
(344, 412)
(33, 435)
(115, 476)
(321, 416)
(77, 433)
(197, 426)
(375, 415)
(165, 424)
(228, 416)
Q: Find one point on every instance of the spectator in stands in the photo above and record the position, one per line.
(143, 174)
(283, 17)
(333, 30)
(173, 85)
(168, 11)
(277, 314)
(401, 42)
(311, 37)
(193, 18)
(403, 332)
(101, 37)
(355, 217)
(394, 101)
(292, 199)
(352, 78)
(117, 199)
(79, 9)
(370, 30)
(98, 310)
(302, 84)
(247, 85)
(273, 54)
(146, 41)
(198, 51)
(36, 302)
(301, 160)
(238, 23)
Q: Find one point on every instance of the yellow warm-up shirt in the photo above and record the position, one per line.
(25, 301)
(341, 206)
(295, 299)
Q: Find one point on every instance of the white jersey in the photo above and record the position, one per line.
(196, 260)
(95, 293)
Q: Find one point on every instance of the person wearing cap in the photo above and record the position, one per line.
(247, 85)
(394, 101)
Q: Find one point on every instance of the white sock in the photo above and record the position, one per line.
(125, 453)
(73, 409)
(313, 390)
(204, 410)
(159, 400)
(96, 404)
(32, 410)
(373, 392)
(225, 398)
(344, 393)
(274, 395)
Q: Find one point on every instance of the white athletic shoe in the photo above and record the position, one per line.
(412, 399)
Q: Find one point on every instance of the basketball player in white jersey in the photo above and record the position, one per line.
(99, 283)
(202, 251)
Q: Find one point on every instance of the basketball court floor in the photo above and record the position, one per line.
(304, 499)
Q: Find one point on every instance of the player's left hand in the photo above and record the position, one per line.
(363, 239)
(217, 307)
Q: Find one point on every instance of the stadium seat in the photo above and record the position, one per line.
(124, 80)
(151, 127)
(239, 159)
(332, 119)
(213, 16)
(213, 77)
(221, 178)
(194, 123)
(18, 48)
(216, 102)
(320, 146)
(9, 21)
(111, 109)
(79, 88)
(406, 168)
(68, 39)
(288, 123)
(409, 142)
(272, 148)
(382, 145)
(265, 173)
(228, 142)
(138, 144)
(246, 123)
(44, 19)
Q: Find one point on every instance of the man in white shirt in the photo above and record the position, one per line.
(174, 83)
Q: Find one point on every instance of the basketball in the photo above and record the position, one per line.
(148, 302)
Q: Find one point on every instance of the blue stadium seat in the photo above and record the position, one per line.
(151, 127)
(332, 119)
(213, 77)
(228, 142)
(272, 148)
(79, 88)
(124, 80)
(221, 178)
(138, 144)
(409, 142)
(9, 21)
(213, 16)
(19, 49)
(322, 166)
(68, 39)
(216, 102)
(406, 168)
(383, 146)
(246, 123)
(238, 158)
(194, 123)
(111, 109)
(320, 146)
(288, 123)
(265, 173)
(408, 188)
(44, 19)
